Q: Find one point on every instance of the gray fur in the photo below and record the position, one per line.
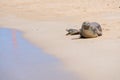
(72, 31)
(90, 30)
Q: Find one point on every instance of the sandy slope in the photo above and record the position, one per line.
(44, 23)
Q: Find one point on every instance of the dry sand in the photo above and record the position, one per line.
(44, 22)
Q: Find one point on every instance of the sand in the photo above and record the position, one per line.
(44, 22)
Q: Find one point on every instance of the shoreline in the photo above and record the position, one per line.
(43, 23)
(34, 41)
(80, 56)
(20, 59)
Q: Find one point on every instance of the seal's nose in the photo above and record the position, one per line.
(86, 27)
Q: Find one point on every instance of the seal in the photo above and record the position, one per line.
(90, 30)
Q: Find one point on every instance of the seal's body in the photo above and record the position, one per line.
(90, 30)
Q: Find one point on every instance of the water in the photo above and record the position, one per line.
(20, 60)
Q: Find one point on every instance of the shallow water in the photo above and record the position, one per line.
(20, 60)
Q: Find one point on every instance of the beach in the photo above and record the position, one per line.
(44, 23)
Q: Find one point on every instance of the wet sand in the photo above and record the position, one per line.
(44, 24)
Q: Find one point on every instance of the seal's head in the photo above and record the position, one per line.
(86, 25)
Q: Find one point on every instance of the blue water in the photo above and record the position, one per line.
(21, 60)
